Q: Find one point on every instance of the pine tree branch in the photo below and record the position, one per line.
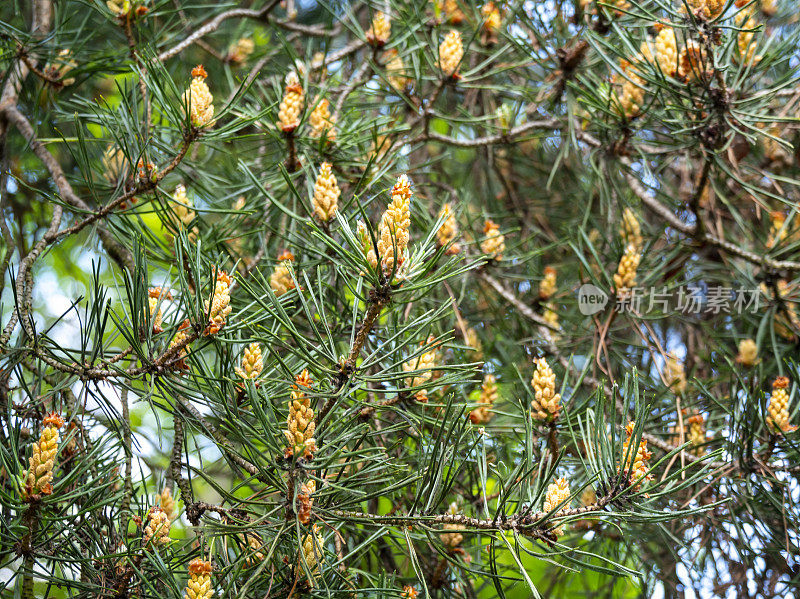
(213, 25)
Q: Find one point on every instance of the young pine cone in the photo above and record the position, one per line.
(393, 230)
(483, 413)
(379, 30)
(546, 403)
(199, 584)
(748, 353)
(667, 51)
(630, 90)
(167, 503)
(424, 365)
(291, 105)
(697, 434)
(495, 242)
(311, 554)
(155, 296)
(451, 51)
(281, 280)
(179, 340)
(631, 231)
(448, 231)
(625, 277)
(321, 121)
(37, 479)
(157, 526)
(197, 100)
(548, 286)
(326, 193)
(300, 423)
(638, 462)
(778, 408)
(255, 546)
(305, 501)
(557, 492)
(252, 362)
(220, 304)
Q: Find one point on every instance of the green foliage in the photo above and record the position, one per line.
(566, 130)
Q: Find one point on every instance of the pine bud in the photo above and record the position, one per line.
(183, 210)
(625, 277)
(548, 286)
(423, 366)
(667, 51)
(167, 503)
(778, 408)
(638, 462)
(380, 30)
(311, 553)
(241, 50)
(305, 501)
(119, 8)
(37, 479)
(291, 105)
(769, 7)
(773, 150)
(180, 337)
(746, 21)
(252, 362)
(452, 540)
(489, 393)
(693, 62)
(546, 402)
(557, 492)
(157, 526)
(197, 99)
(409, 592)
(551, 317)
(281, 278)
(630, 231)
(326, 193)
(300, 423)
(255, 545)
(492, 19)
(630, 89)
(450, 12)
(748, 353)
(396, 71)
(494, 244)
(363, 237)
(474, 343)
(155, 295)
(451, 51)
(199, 584)
(448, 231)
(706, 9)
(697, 434)
(675, 375)
(220, 304)
(115, 165)
(322, 122)
(778, 231)
(393, 229)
